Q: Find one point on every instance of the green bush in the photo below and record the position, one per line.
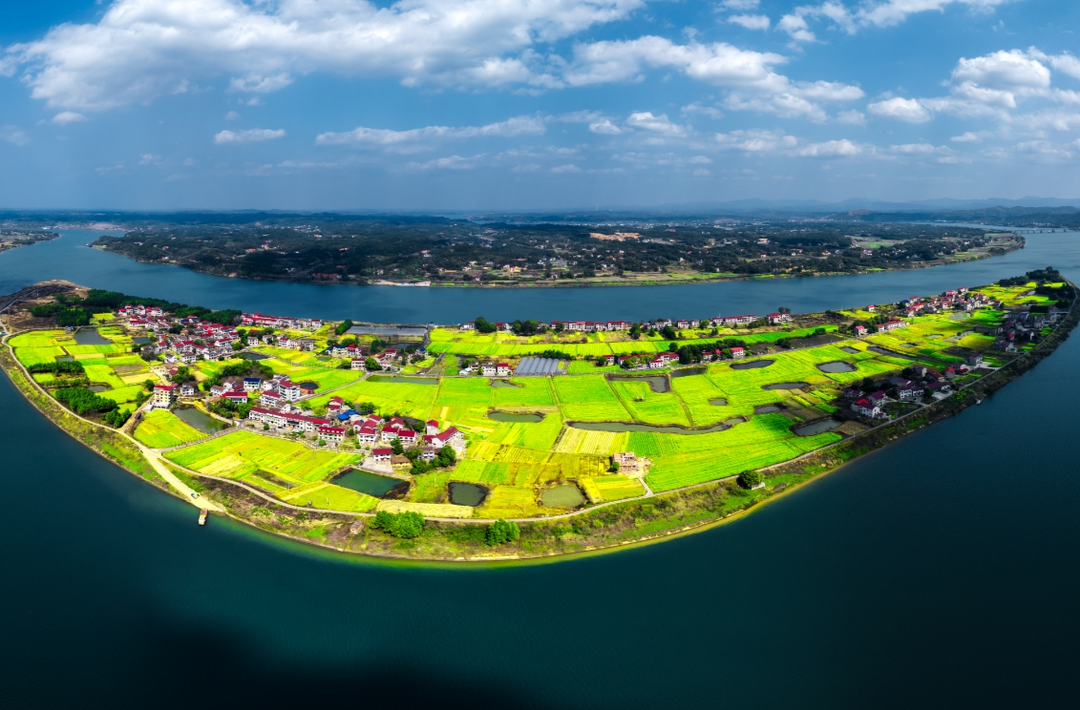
(405, 525)
(749, 479)
(501, 532)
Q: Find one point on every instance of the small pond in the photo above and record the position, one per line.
(568, 496)
(89, 336)
(98, 388)
(819, 427)
(308, 385)
(853, 351)
(718, 402)
(752, 365)
(504, 383)
(786, 386)
(658, 383)
(65, 358)
(199, 419)
(372, 484)
(666, 429)
(688, 371)
(395, 379)
(514, 417)
(254, 356)
(467, 494)
(142, 341)
(836, 366)
(768, 409)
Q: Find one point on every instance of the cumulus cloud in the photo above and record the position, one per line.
(518, 126)
(142, 49)
(831, 149)
(251, 135)
(605, 127)
(14, 134)
(645, 121)
(65, 117)
(232, 116)
(756, 141)
(568, 168)
(750, 76)
(908, 110)
(453, 162)
(751, 22)
(869, 14)
(740, 4)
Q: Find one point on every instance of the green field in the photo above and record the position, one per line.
(161, 429)
(517, 460)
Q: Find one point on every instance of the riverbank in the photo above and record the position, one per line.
(675, 278)
(602, 527)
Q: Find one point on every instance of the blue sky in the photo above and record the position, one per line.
(533, 104)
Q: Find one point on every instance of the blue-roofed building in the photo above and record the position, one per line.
(252, 384)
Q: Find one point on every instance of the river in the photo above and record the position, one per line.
(938, 572)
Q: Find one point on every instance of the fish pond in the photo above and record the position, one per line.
(90, 336)
(373, 484)
(658, 383)
(467, 493)
(786, 386)
(752, 365)
(504, 383)
(768, 409)
(254, 356)
(688, 371)
(836, 366)
(819, 427)
(515, 417)
(199, 420)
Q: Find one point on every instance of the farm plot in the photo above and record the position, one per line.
(588, 398)
(388, 397)
(38, 355)
(615, 487)
(650, 407)
(698, 394)
(161, 429)
(531, 435)
(529, 392)
(242, 453)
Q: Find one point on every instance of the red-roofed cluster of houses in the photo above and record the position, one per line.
(655, 361)
(371, 430)
(959, 300)
(261, 320)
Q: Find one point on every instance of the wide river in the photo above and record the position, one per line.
(940, 572)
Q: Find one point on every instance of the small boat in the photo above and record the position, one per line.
(202, 516)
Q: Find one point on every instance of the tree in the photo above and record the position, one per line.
(669, 333)
(405, 525)
(749, 479)
(501, 532)
(343, 327)
(614, 466)
(483, 325)
(635, 331)
(397, 447)
(371, 364)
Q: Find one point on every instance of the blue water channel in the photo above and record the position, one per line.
(939, 572)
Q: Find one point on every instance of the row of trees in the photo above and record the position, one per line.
(409, 525)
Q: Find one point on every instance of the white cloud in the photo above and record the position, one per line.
(756, 141)
(251, 135)
(569, 168)
(1066, 64)
(605, 127)
(14, 134)
(517, 126)
(697, 109)
(831, 149)
(142, 49)
(851, 118)
(751, 22)
(65, 117)
(908, 110)
(971, 137)
(740, 4)
(700, 160)
(150, 159)
(232, 116)
(702, 172)
(453, 162)
(869, 14)
(644, 120)
(526, 168)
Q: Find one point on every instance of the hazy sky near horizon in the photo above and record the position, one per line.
(533, 104)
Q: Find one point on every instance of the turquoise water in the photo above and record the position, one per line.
(940, 572)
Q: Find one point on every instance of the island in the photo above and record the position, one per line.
(519, 440)
(14, 238)
(443, 252)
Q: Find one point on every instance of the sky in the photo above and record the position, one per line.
(533, 104)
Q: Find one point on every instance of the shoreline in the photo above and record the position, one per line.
(576, 283)
(695, 516)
